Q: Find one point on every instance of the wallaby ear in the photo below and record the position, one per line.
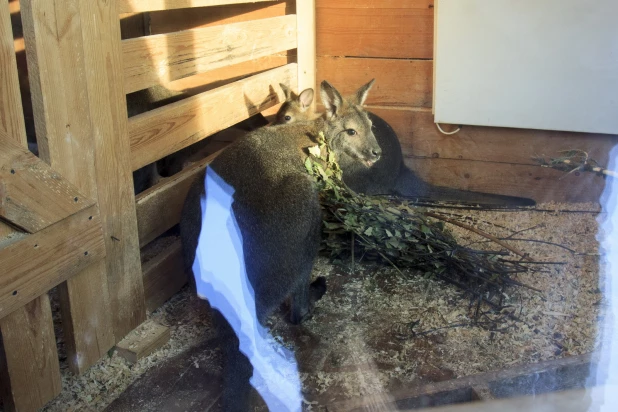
(286, 91)
(305, 98)
(331, 99)
(361, 94)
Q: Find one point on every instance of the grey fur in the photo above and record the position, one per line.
(277, 210)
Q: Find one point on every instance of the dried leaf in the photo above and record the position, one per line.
(315, 151)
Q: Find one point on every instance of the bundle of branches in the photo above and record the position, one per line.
(405, 236)
(574, 161)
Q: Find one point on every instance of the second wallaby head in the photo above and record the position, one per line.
(348, 127)
(296, 108)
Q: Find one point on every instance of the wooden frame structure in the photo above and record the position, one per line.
(70, 217)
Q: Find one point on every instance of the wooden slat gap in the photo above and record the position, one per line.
(158, 208)
(136, 6)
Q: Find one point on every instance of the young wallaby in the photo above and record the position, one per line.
(276, 207)
(389, 175)
(295, 108)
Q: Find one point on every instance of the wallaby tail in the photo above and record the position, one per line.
(408, 184)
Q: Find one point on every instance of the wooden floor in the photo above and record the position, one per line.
(180, 384)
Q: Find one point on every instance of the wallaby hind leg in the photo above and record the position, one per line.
(303, 298)
(237, 369)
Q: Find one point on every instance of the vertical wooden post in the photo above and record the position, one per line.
(11, 113)
(108, 113)
(29, 369)
(63, 127)
(306, 50)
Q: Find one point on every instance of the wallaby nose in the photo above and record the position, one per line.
(376, 153)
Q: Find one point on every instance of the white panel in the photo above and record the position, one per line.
(538, 64)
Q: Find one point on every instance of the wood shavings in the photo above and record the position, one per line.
(365, 336)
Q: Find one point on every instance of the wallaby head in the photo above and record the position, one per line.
(347, 125)
(296, 108)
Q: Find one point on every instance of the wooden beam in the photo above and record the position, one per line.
(369, 28)
(65, 134)
(12, 125)
(144, 340)
(159, 207)
(306, 49)
(162, 58)
(38, 262)
(108, 113)
(534, 182)
(29, 368)
(164, 274)
(9, 234)
(166, 130)
(399, 82)
(183, 19)
(133, 6)
(32, 194)
(574, 400)
(420, 137)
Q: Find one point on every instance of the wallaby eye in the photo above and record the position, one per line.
(288, 118)
(351, 132)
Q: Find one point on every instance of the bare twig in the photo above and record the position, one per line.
(480, 233)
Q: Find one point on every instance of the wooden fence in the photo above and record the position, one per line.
(69, 218)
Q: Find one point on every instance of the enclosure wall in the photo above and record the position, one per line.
(392, 41)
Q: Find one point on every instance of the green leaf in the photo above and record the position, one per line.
(331, 225)
(321, 171)
(309, 165)
(369, 231)
(425, 230)
(331, 157)
(388, 233)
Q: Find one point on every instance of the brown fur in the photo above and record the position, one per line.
(389, 175)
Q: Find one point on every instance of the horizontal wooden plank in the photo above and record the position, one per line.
(158, 208)
(183, 19)
(367, 28)
(398, 81)
(164, 275)
(29, 368)
(162, 58)
(32, 194)
(534, 182)
(142, 341)
(219, 77)
(419, 136)
(37, 263)
(159, 132)
(133, 6)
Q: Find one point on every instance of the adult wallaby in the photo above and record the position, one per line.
(275, 204)
(389, 175)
